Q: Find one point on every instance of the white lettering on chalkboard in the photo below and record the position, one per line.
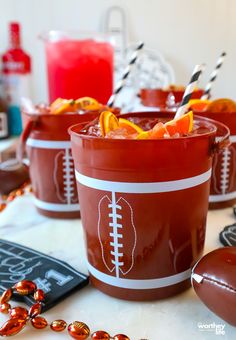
(60, 279)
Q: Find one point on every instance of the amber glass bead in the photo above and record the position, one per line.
(39, 322)
(39, 295)
(6, 296)
(4, 308)
(11, 197)
(79, 330)
(35, 310)
(19, 192)
(121, 337)
(25, 287)
(18, 312)
(58, 325)
(12, 327)
(100, 335)
(2, 206)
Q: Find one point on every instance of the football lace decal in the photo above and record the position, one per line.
(117, 240)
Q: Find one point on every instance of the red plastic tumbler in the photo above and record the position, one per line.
(223, 180)
(143, 207)
(51, 165)
(159, 97)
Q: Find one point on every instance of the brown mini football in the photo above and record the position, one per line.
(214, 281)
(12, 175)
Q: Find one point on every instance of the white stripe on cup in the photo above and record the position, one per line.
(139, 284)
(223, 197)
(232, 139)
(56, 206)
(140, 188)
(48, 144)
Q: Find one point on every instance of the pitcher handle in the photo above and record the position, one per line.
(24, 136)
(222, 141)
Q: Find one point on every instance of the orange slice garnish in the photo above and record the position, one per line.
(129, 126)
(108, 122)
(60, 106)
(158, 131)
(222, 105)
(181, 125)
(144, 135)
(87, 103)
(198, 104)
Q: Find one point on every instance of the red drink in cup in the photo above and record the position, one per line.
(79, 65)
(144, 206)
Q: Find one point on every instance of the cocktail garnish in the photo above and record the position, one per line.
(112, 127)
(129, 126)
(222, 105)
(108, 122)
(198, 104)
(61, 105)
(87, 103)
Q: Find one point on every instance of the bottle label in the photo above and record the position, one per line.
(16, 86)
(3, 125)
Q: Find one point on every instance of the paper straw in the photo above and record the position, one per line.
(189, 90)
(207, 92)
(126, 73)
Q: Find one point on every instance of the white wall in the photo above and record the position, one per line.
(185, 31)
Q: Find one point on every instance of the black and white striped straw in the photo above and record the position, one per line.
(126, 73)
(207, 92)
(189, 90)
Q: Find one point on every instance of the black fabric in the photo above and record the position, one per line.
(228, 235)
(55, 277)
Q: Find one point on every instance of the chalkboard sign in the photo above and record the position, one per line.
(228, 235)
(56, 278)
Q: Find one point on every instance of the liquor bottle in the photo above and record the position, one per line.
(16, 70)
(3, 115)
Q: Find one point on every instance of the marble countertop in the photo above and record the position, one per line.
(174, 318)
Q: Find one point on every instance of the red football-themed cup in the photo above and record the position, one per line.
(51, 165)
(223, 181)
(161, 97)
(143, 206)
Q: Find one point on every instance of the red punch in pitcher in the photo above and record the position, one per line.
(143, 207)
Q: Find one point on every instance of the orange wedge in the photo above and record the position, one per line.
(181, 125)
(129, 126)
(144, 135)
(198, 104)
(87, 103)
(60, 106)
(222, 105)
(108, 122)
(158, 131)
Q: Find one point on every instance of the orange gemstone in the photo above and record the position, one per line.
(121, 337)
(12, 327)
(6, 296)
(2, 206)
(79, 330)
(35, 310)
(4, 308)
(58, 325)
(39, 295)
(18, 312)
(25, 287)
(39, 322)
(100, 335)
